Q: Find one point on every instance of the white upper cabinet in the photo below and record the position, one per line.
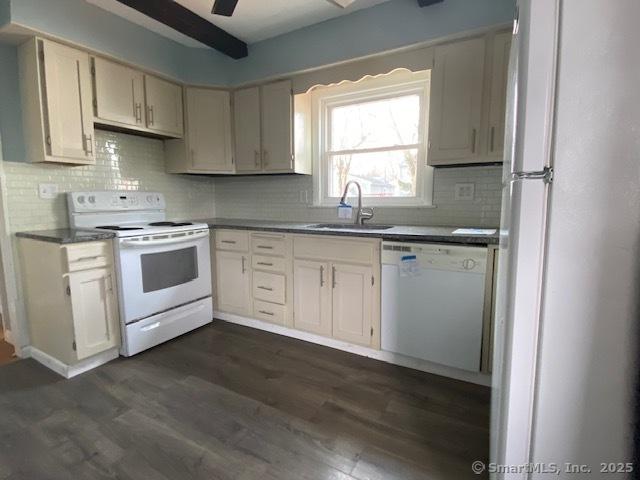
(119, 94)
(468, 99)
(277, 128)
(164, 106)
(207, 146)
(498, 97)
(246, 113)
(456, 102)
(56, 97)
(263, 121)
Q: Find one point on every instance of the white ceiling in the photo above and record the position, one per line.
(253, 20)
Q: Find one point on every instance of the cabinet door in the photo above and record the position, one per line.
(456, 102)
(233, 282)
(246, 110)
(67, 80)
(498, 99)
(352, 297)
(119, 93)
(277, 129)
(312, 296)
(209, 130)
(95, 314)
(164, 106)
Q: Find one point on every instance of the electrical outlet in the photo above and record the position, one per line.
(304, 196)
(465, 191)
(47, 191)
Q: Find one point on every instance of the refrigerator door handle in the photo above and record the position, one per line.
(546, 175)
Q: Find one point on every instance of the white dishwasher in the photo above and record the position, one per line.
(433, 301)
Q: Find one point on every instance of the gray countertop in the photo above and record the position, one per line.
(396, 233)
(66, 235)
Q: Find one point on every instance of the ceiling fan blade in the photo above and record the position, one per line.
(224, 7)
(341, 3)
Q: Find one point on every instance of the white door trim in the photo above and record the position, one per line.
(13, 317)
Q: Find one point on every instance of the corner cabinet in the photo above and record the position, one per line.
(71, 301)
(263, 121)
(468, 99)
(163, 101)
(56, 96)
(207, 146)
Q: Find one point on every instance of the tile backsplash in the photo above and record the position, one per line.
(278, 198)
(128, 162)
(123, 162)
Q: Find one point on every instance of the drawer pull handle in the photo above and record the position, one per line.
(322, 276)
(268, 289)
(86, 259)
(153, 326)
(232, 242)
(265, 264)
(265, 247)
(333, 277)
(264, 312)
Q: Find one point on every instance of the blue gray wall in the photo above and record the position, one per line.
(387, 26)
(10, 112)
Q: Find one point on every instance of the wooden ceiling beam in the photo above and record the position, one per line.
(183, 20)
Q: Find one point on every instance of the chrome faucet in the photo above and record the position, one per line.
(363, 213)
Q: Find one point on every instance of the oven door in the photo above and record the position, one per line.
(160, 272)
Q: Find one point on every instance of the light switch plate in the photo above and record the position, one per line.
(47, 191)
(465, 191)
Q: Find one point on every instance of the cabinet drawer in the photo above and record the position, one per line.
(335, 249)
(84, 256)
(232, 240)
(269, 312)
(271, 264)
(269, 287)
(267, 244)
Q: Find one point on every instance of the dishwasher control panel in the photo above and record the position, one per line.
(436, 256)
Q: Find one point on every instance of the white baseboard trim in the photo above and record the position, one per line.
(388, 357)
(70, 371)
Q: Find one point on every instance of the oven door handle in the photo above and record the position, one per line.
(163, 241)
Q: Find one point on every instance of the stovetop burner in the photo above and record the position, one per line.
(116, 227)
(170, 224)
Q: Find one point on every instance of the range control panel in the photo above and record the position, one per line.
(116, 201)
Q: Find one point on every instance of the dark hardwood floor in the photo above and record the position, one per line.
(228, 402)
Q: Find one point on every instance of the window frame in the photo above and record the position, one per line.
(395, 84)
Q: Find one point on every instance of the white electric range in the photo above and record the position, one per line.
(163, 268)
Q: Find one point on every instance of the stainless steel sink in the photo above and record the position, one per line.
(351, 226)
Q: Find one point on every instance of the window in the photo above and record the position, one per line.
(374, 132)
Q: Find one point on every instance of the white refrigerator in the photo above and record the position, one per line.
(565, 372)
(527, 181)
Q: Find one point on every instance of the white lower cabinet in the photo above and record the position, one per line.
(312, 296)
(71, 300)
(322, 285)
(352, 297)
(233, 282)
(94, 310)
(334, 299)
(335, 288)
